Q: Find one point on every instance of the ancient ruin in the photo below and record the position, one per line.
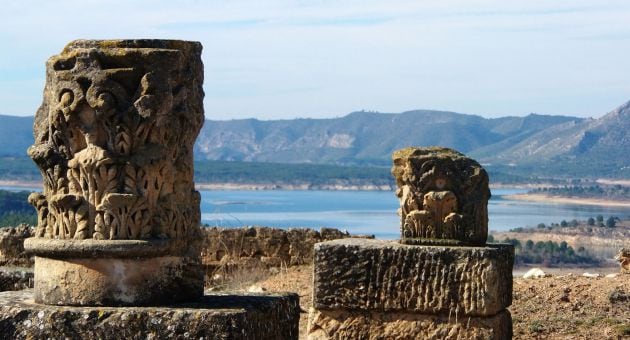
(118, 220)
(623, 257)
(443, 197)
(439, 281)
(113, 140)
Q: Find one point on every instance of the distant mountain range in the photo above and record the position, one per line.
(16, 134)
(364, 137)
(542, 144)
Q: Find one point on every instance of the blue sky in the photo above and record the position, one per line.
(286, 59)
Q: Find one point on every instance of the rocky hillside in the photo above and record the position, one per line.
(538, 144)
(362, 137)
(588, 140)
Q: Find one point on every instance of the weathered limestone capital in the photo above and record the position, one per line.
(114, 143)
(443, 197)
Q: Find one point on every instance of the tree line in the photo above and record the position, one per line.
(598, 221)
(548, 253)
(617, 192)
(15, 209)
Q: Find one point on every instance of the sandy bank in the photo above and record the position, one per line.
(622, 182)
(21, 184)
(568, 200)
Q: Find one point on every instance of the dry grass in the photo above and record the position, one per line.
(298, 279)
(236, 277)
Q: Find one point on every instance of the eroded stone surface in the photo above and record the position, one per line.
(114, 144)
(12, 246)
(15, 278)
(264, 245)
(324, 324)
(624, 260)
(114, 140)
(218, 316)
(443, 196)
(377, 275)
(112, 281)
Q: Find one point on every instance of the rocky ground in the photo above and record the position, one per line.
(562, 306)
(568, 306)
(572, 307)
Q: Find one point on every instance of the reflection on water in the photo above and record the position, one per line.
(370, 212)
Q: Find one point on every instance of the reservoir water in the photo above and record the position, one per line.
(371, 212)
(366, 212)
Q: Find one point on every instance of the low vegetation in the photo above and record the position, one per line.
(276, 173)
(589, 226)
(615, 192)
(210, 171)
(591, 242)
(550, 253)
(15, 210)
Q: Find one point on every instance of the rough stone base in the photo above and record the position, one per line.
(12, 246)
(12, 278)
(115, 272)
(376, 275)
(374, 325)
(117, 282)
(249, 316)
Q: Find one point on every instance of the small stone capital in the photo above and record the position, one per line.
(443, 197)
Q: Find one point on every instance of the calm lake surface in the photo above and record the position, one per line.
(370, 212)
(366, 212)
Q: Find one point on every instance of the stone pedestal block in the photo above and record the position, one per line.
(341, 324)
(440, 281)
(116, 273)
(249, 316)
(388, 276)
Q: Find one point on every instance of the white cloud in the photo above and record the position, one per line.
(282, 59)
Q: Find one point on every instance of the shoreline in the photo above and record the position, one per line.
(568, 200)
(239, 186)
(21, 184)
(277, 186)
(270, 186)
(37, 185)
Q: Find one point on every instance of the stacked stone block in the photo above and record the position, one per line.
(373, 289)
(440, 281)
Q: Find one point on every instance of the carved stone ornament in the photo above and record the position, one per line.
(114, 143)
(443, 197)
